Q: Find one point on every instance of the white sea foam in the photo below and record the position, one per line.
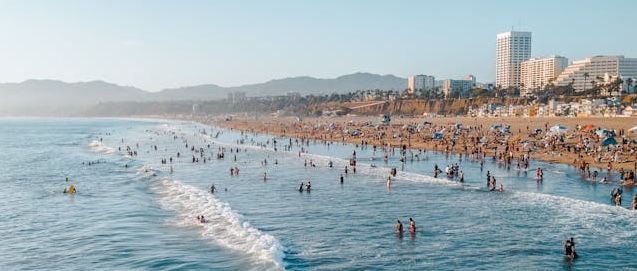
(99, 147)
(223, 226)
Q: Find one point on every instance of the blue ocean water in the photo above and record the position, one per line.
(131, 213)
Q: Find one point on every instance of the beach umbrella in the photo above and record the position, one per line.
(589, 127)
(438, 136)
(558, 129)
(483, 139)
(609, 141)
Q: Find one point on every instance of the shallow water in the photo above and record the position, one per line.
(131, 213)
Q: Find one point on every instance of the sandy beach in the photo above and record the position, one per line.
(577, 144)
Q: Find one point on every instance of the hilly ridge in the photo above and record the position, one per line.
(53, 97)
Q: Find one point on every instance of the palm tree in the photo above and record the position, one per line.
(629, 83)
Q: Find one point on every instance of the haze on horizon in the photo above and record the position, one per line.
(155, 45)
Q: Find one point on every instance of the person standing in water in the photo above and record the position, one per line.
(569, 248)
(412, 225)
(399, 227)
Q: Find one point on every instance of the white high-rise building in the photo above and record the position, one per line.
(420, 82)
(512, 48)
(536, 73)
(597, 70)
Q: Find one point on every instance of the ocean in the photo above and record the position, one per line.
(132, 211)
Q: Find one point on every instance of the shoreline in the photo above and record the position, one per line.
(568, 149)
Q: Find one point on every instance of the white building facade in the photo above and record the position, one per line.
(536, 73)
(585, 74)
(420, 82)
(463, 85)
(512, 48)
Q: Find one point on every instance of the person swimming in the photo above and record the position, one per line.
(70, 190)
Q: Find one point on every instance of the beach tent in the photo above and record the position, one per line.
(558, 129)
(496, 126)
(438, 136)
(633, 130)
(426, 122)
(385, 119)
(538, 131)
(604, 132)
(609, 141)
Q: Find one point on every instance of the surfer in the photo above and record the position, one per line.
(412, 225)
(399, 227)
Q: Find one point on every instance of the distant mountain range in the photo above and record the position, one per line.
(51, 97)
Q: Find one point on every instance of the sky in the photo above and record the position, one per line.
(154, 45)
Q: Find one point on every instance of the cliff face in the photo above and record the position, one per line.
(443, 107)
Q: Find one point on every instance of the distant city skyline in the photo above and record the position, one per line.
(154, 45)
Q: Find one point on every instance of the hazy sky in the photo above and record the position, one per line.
(164, 44)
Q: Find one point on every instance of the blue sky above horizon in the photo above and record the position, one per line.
(154, 45)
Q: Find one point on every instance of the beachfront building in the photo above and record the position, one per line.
(421, 82)
(462, 86)
(536, 73)
(512, 48)
(598, 70)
